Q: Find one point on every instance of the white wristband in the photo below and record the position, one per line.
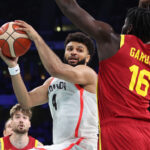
(14, 70)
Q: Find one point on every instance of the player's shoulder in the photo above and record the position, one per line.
(87, 72)
(130, 37)
(48, 81)
(37, 142)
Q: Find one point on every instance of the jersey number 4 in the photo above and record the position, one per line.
(138, 82)
(54, 101)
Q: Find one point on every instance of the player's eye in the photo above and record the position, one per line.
(17, 117)
(24, 117)
(80, 50)
(70, 48)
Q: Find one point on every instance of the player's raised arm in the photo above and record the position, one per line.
(26, 99)
(76, 52)
(83, 20)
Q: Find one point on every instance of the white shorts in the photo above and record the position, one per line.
(73, 144)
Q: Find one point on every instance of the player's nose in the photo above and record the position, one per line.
(74, 52)
(21, 119)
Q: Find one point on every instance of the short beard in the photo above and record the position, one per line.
(20, 131)
(82, 62)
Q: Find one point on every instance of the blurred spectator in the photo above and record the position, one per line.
(7, 128)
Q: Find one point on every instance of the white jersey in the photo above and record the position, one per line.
(74, 112)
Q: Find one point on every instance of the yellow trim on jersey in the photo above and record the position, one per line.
(98, 119)
(2, 143)
(122, 40)
(36, 143)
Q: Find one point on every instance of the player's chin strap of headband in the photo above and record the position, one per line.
(14, 70)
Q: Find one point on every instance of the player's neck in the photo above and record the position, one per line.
(22, 140)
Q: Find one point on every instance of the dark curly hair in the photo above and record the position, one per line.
(81, 38)
(140, 20)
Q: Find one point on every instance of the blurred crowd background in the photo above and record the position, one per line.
(50, 23)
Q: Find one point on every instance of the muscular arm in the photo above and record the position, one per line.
(27, 99)
(80, 75)
(84, 20)
(106, 39)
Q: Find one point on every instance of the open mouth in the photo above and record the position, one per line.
(21, 126)
(73, 59)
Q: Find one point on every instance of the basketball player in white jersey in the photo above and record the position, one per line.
(70, 92)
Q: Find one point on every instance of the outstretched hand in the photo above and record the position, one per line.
(23, 26)
(144, 4)
(11, 62)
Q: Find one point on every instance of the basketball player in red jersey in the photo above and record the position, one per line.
(7, 128)
(124, 76)
(20, 124)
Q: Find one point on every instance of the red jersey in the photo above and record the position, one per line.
(6, 144)
(124, 96)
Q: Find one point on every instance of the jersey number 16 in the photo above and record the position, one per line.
(140, 80)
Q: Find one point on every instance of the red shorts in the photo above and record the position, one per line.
(125, 134)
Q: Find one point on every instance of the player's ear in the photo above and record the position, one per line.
(129, 30)
(29, 124)
(87, 58)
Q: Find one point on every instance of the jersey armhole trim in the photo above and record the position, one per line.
(122, 40)
(78, 86)
(2, 143)
(51, 80)
(36, 143)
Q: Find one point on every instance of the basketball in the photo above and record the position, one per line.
(12, 42)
